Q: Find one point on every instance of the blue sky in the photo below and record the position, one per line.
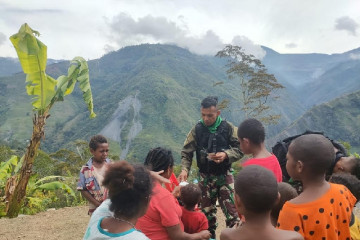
(93, 28)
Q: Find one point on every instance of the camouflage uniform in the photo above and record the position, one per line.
(215, 185)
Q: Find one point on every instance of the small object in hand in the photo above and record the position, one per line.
(182, 184)
(210, 156)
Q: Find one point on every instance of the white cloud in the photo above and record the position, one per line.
(2, 38)
(249, 47)
(348, 24)
(78, 28)
(291, 45)
(125, 30)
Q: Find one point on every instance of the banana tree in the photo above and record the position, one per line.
(46, 91)
(45, 184)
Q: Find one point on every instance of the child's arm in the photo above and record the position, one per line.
(225, 234)
(90, 198)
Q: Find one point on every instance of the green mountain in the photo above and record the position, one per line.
(342, 79)
(316, 78)
(339, 119)
(145, 96)
(9, 66)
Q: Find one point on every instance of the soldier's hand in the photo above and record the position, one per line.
(219, 157)
(183, 176)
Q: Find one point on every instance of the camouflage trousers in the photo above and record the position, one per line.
(218, 188)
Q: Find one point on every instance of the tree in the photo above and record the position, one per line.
(257, 86)
(32, 54)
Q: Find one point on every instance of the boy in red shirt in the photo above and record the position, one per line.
(194, 221)
(251, 134)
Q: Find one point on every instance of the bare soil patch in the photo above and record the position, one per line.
(66, 223)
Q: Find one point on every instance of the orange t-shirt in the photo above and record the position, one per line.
(325, 218)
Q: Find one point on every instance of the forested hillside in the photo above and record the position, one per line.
(338, 119)
(149, 95)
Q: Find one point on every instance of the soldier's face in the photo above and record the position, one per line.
(209, 115)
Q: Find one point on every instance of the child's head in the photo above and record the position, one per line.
(349, 181)
(309, 156)
(256, 190)
(250, 132)
(287, 192)
(130, 188)
(97, 140)
(99, 147)
(190, 195)
(349, 164)
(160, 159)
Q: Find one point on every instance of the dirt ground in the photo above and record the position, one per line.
(66, 223)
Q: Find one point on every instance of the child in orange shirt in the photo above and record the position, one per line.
(194, 221)
(353, 184)
(256, 192)
(322, 210)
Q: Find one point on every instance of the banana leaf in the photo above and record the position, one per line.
(45, 90)
(6, 168)
(48, 178)
(32, 55)
(51, 186)
(77, 72)
(18, 166)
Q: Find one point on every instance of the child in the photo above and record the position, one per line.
(353, 184)
(256, 192)
(251, 134)
(92, 174)
(194, 221)
(287, 192)
(130, 188)
(349, 164)
(322, 210)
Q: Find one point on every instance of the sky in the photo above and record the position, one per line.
(91, 28)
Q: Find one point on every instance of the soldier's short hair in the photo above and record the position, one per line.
(190, 195)
(210, 101)
(257, 188)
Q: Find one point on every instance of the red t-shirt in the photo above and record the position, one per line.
(270, 163)
(194, 221)
(164, 211)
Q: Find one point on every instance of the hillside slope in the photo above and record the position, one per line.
(144, 96)
(338, 119)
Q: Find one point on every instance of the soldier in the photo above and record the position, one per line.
(216, 145)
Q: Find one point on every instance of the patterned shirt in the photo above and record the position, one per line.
(88, 182)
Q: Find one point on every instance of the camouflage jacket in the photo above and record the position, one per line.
(190, 146)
